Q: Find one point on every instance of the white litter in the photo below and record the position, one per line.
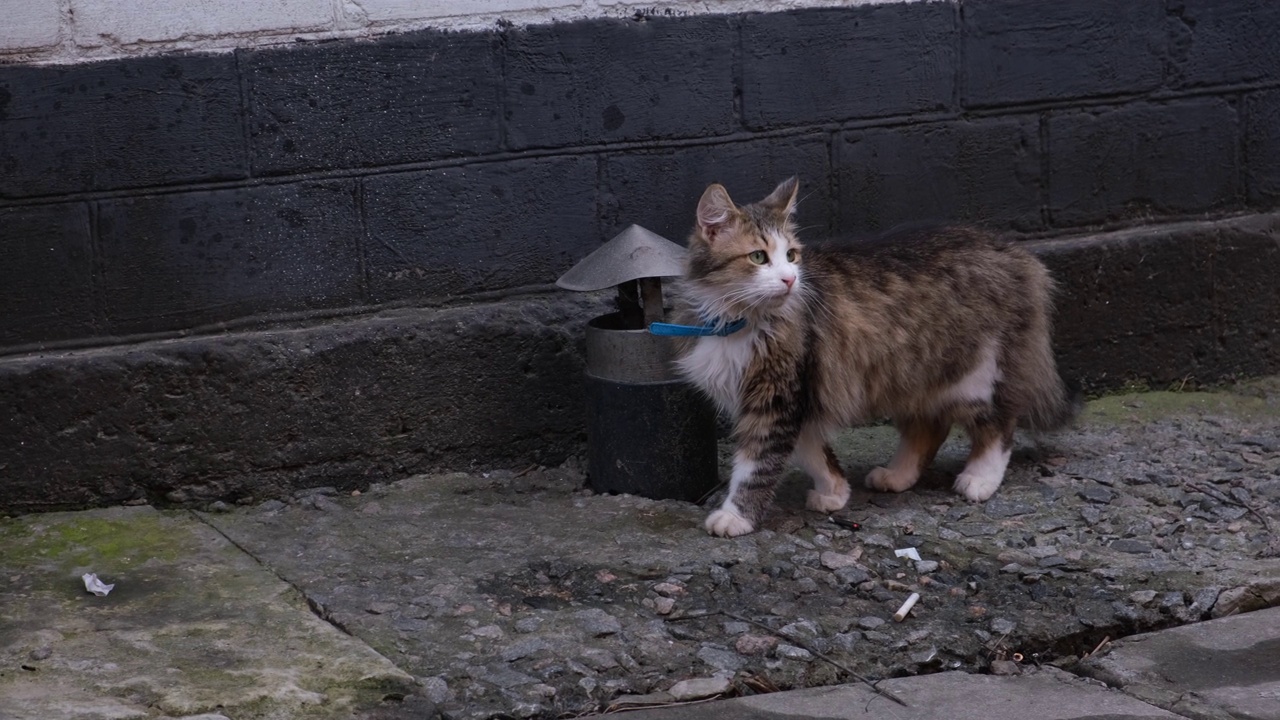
(912, 599)
(909, 553)
(94, 585)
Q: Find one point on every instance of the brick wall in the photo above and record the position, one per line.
(169, 194)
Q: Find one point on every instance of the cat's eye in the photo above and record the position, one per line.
(792, 255)
(758, 257)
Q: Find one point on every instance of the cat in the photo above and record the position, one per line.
(927, 327)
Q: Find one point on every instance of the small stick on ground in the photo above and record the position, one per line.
(1106, 639)
(526, 471)
(1218, 494)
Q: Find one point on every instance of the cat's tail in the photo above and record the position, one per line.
(1055, 405)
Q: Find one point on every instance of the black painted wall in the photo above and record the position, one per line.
(175, 194)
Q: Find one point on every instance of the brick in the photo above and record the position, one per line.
(400, 10)
(1129, 162)
(1262, 146)
(1224, 42)
(119, 124)
(125, 22)
(659, 189)
(30, 24)
(1042, 50)
(608, 80)
(809, 66)
(187, 259)
(985, 171)
(399, 99)
(45, 286)
(482, 227)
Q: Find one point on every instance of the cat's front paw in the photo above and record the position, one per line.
(976, 486)
(727, 523)
(827, 503)
(887, 480)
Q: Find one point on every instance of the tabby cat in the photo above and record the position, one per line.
(929, 328)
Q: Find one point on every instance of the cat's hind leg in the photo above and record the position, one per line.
(992, 446)
(814, 455)
(919, 443)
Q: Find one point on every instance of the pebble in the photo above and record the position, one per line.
(597, 622)
(524, 648)
(529, 624)
(1003, 626)
(835, 561)
(925, 567)
(720, 659)
(41, 653)
(699, 688)
(1133, 547)
(791, 652)
(852, 575)
(668, 589)
(734, 627)
(870, 622)
(1142, 597)
(1005, 667)
(1091, 515)
(491, 632)
(804, 629)
(662, 606)
(756, 644)
(1096, 494)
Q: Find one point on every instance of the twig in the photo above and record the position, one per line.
(526, 471)
(614, 709)
(818, 655)
(1266, 523)
(1105, 639)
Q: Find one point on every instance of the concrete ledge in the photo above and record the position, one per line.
(260, 414)
(1195, 301)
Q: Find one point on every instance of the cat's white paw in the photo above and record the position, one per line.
(889, 481)
(977, 486)
(828, 503)
(727, 523)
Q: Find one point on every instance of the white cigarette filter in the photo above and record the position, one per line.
(912, 599)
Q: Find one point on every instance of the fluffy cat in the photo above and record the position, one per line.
(930, 328)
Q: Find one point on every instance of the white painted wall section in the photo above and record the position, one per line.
(68, 31)
(123, 23)
(30, 24)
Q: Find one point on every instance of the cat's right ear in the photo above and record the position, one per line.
(715, 210)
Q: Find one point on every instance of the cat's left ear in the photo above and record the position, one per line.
(783, 197)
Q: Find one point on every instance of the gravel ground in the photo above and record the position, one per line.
(521, 594)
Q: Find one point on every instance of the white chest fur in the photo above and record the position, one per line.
(716, 365)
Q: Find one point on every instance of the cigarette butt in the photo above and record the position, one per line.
(906, 607)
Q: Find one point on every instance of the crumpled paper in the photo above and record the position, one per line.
(94, 585)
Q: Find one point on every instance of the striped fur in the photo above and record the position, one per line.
(930, 328)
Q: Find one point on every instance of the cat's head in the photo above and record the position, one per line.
(745, 261)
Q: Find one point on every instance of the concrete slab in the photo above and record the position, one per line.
(1047, 695)
(1225, 668)
(194, 626)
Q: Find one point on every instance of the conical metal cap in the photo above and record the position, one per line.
(632, 254)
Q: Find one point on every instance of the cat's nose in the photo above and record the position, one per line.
(789, 280)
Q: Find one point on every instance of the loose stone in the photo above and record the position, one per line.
(698, 688)
(791, 652)
(597, 622)
(756, 644)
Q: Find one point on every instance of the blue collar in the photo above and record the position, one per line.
(707, 329)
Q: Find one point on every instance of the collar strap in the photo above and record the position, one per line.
(714, 328)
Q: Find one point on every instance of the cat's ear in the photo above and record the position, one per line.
(783, 197)
(715, 210)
